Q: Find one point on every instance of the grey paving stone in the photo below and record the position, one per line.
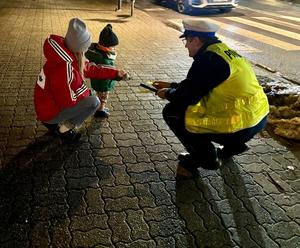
(162, 197)
(128, 143)
(120, 228)
(295, 185)
(145, 138)
(165, 228)
(221, 238)
(293, 212)
(165, 173)
(16, 244)
(185, 240)
(276, 212)
(121, 175)
(39, 235)
(210, 219)
(137, 244)
(108, 140)
(91, 238)
(283, 230)
(82, 183)
(140, 167)
(291, 243)
(139, 228)
(81, 172)
(94, 201)
(88, 222)
(158, 148)
(121, 203)
(163, 156)
(109, 160)
(241, 237)
(76, 202)
(126, 126)
(260, 236)
(60, 234)
(227, 206)
(260, 214)
(117, 191)
(127, 155)
(144, 177)
(95, 141)
(145, 197)
(105, 174)
(168, 242)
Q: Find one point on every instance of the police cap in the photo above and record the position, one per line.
(197, 27)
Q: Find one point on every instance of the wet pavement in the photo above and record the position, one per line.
(117, 187)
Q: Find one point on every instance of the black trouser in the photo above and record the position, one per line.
(200, 146)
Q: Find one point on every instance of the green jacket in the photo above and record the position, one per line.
(94, 54)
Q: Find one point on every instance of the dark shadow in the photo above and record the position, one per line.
(121, 20)
(123, 16)
(195, 201)
(246, 227)
(23, 179)
(217, 209)
(40, 188)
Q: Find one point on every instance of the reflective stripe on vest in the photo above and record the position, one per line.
(237, 103)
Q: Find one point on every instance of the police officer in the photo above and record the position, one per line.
(220, 101)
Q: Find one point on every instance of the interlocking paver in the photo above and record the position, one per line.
(117, 187)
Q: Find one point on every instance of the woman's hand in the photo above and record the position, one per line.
(161, 84)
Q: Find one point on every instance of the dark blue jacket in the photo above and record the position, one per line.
(207, 71)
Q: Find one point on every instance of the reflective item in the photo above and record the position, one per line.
(237, 103)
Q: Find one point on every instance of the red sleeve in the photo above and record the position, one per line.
(60, 87)
(92, 70)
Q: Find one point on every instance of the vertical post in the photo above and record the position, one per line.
(132, 7)
(119, 4)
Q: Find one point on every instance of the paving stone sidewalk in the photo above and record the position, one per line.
(117, 187)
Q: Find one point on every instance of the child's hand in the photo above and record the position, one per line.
(161, 84)
(123, 75)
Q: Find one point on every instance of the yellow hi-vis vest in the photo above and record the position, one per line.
(237, 103)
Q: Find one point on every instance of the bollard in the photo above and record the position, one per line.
(119, 4)
(132, 7)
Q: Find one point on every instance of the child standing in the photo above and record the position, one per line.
(103, 53)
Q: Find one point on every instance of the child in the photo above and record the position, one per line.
(104, 53)
(61, 99)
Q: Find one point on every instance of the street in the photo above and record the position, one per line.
(117, 186)
(266, 33)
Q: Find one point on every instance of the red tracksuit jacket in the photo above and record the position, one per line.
(60, 84)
